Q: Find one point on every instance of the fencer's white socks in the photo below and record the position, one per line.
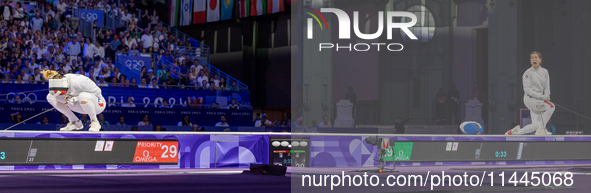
(513, 131)
(73, 126)
(95, 126)
(543, 131)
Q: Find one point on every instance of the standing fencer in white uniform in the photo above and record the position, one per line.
(536, 84)
(74, 92)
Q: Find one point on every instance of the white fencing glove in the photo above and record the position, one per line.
(72, 101)
(545, 97)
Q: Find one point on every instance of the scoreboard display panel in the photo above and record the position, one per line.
(469, 151)
(289, 151)
(85, 151)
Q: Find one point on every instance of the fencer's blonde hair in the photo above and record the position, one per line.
(51, 74)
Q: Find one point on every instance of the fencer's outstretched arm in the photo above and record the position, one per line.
(80, 83)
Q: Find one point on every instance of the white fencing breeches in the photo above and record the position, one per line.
(86, 103)
(541, 112)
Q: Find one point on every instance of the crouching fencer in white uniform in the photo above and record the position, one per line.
(536, 84)
(74, 92)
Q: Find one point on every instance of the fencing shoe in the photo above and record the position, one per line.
(73, 126)
(95, 126)
(543, 131)
(513, 131)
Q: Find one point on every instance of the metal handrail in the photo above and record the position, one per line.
(178, 34)
(197, 51)
(172, 68)
(113, 22)
(213, 69)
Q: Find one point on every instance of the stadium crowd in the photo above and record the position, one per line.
(49, 38)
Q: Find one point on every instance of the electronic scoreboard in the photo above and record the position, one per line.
(289, 151)
(85, 151)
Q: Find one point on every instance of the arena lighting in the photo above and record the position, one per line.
(361, 47)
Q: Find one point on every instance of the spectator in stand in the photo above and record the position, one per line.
(6, 79)
(18, 99)
(325, 122)
(102, 82)
(101, 119)
(193, 75)
(147, 39)
(144, 121)
(38, 76)
(164, 104)
(154, 18)
(44, 120)
(84, 119)
(162, 76)
(154, 83)
(63, 119)
(234, 87)
(16, 117)
(299, 122)
(167, 56)
(195, 128)
(204, 85)
(90, 49)
(121, 121)
(143, 84)
(223, 84)
(19, 12)
(129, 103)
(133, 51)
(195, 102)
(72, 49)
(133, 83)
(51, 23)
(233, 105)
(108, 37)
(19, 79)
(185, 122)
(157, 128)
(6, 10)
(201, 78)
(115, 44)
(222, 122)
(149, 75)
(216, 81)
(100, 51)
(37, 22)
(264, 122)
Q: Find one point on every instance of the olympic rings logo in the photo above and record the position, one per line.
(11, 97)
(137, 64)
(90, 17)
